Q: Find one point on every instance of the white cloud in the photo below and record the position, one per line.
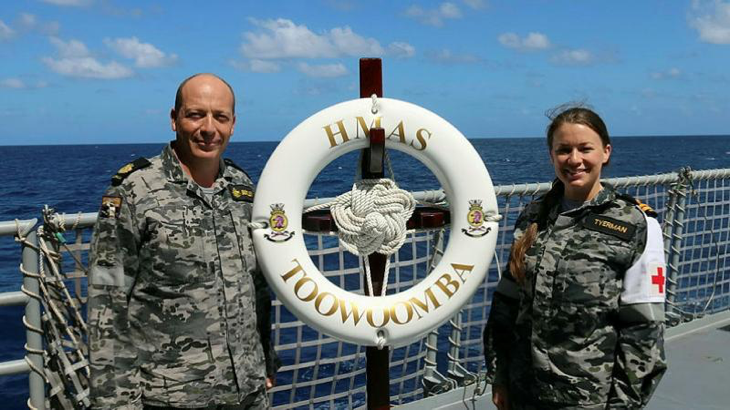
(324, 70)
(446, 56)
(75, 60)
(71, 48)
(449, 11)
(27, 20)
(6, 32)
(283, 38)
(349, 43)
(87, 67)
(73, 3)
(573, 57)
(30, 22)
(434, 17)
(712, 21)
(531, 42)
(12, 83)
(18, 84)
(401, 50)
(257, 66)
(671, 73)
(145, 55)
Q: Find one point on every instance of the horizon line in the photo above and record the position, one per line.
(277, 141)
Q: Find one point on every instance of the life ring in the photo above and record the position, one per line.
(396, 319)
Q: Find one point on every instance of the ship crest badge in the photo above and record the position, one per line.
(278, 222)
(475, 218)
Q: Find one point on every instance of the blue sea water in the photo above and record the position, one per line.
(72, 178)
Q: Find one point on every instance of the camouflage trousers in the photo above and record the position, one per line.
(254, 401)
(516, 405)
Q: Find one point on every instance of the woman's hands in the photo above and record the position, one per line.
(500, 397)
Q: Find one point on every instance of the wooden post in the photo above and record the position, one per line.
(378, 360)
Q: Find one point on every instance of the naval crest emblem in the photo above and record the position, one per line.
(278, 222)
(475, 218)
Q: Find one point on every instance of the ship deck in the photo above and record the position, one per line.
(698, 354)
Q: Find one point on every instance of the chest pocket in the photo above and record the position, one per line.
(241, 214)
(178, 250)
(590, 269)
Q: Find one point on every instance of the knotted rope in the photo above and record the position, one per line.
(372, 218)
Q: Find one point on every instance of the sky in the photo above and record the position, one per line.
(106, 71)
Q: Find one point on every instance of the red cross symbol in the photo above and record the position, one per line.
(658, 279)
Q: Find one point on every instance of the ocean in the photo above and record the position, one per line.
(72, 179)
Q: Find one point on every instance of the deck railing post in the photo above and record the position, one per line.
(667, 233)
(33, 333)
(677, 232)
(454, 370)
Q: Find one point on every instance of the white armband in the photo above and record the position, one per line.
(645, 280)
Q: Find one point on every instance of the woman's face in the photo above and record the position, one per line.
(578, 156)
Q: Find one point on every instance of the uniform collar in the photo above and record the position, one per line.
(171, 165)
(604, 196)
(175, 173)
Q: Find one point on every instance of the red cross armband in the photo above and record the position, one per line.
(645, 281)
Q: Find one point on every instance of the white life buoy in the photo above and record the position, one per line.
(400, 318)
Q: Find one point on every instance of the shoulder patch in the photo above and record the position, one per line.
(610, 226)
(111, 206)
(649, 211)
(229, 162)
(241, 192)
(126, 170)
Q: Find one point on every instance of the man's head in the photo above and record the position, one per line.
(203, 118)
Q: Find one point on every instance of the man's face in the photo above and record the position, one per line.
(205, 121)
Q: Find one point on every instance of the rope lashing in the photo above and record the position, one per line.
(372, 218)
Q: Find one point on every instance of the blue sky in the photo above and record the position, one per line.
(105, 71)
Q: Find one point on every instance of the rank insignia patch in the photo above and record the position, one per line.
(278, 222)
(241, 193)
(111, 206)
(475, 218)
(646, 209)
(124, 171)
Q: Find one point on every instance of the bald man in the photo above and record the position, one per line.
(178, 308)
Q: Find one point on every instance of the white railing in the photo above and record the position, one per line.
(321, 372)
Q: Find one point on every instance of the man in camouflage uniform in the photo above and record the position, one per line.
(586, 328)
(178, 308)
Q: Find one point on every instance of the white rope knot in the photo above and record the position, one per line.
(372, 216)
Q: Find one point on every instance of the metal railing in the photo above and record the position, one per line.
(321, 372)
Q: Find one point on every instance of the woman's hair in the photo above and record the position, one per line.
(576, 114)
(525, 242)
(570, 113)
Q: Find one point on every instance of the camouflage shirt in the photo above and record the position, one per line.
(178, 308)
(586, 329)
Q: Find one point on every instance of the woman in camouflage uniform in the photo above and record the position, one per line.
(577, 322)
